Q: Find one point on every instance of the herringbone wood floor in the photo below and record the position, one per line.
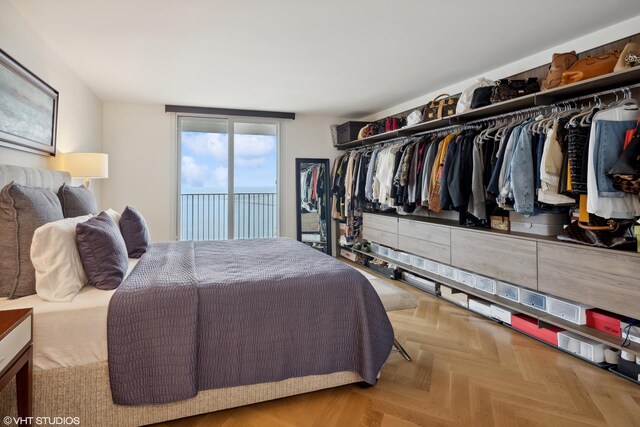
(466, 371)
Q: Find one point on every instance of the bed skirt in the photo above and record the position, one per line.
(84, 392)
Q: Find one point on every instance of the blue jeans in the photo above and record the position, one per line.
(609, 139)
(522, 174)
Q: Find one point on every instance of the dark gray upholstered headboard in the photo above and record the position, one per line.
(33, 177)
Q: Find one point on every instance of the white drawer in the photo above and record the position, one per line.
(571, 311)
(581, 346)
(431, 266)
(418, 262)
(485, 284)
(480, 307)
(447, 271)
(508, 291)
(15, 341)
(501, 313)
(533, 299)
(465, 277)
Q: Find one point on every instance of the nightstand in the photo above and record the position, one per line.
(16, 355)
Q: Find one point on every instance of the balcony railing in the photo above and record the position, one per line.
(205, 216)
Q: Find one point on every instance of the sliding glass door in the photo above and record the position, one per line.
(223, 160)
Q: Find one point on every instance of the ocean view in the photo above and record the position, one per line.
(204, 213)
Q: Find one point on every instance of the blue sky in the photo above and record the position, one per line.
(205, 162)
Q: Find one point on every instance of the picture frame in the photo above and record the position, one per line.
(28, 109)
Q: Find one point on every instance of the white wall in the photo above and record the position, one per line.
(80, 111)
(606, 35)
(141, 143)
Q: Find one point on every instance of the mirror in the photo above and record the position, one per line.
(312, 203)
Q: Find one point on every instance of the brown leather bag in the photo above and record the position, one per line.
(589, 67)
(560, 62)
(443, 106)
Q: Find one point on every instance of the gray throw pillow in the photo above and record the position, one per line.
(77, 201)
(134, 231)
(102, 251)
(22, 210)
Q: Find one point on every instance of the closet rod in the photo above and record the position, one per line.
(604, 92)
(443, 129)
(511, 113)
(375, 144)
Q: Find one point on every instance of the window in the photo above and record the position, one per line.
(223, 160)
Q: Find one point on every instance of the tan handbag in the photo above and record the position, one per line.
(560, 63)
(443, 106)
(591, 66)
(630, 57)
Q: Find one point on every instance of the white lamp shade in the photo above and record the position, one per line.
(86, 165)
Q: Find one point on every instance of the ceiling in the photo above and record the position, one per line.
(331, 57)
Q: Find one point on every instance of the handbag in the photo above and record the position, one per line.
(600, 232)
(560, 62)
(443, 106)
(589, 67)
(465, 102)
(630, 57)
(625, 172)
(364, 131)
(505, 90)
(481, 97)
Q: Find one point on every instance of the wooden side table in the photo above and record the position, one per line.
(16, 355)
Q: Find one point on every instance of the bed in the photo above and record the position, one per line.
(72, 377)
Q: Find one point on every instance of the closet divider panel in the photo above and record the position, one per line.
(427, 240)
(606, 279)
(506, 258)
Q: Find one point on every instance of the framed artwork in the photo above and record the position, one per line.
(28, 109)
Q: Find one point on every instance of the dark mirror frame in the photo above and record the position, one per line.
(327, 204)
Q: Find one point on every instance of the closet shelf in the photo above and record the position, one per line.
(629, 77)
(542, 317)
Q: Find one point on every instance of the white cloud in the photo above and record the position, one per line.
(193, 174)
(197, 175)
(207, 144)
(251, 162)
(254, 145)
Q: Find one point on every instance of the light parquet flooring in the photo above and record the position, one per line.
(466, 371)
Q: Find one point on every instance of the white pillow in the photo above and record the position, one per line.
(115, 216)
(59, 271)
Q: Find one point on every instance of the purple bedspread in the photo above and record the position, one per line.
(199, 315)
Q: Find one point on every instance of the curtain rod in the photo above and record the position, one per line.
(228, 112)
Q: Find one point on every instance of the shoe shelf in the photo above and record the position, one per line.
(542, 317)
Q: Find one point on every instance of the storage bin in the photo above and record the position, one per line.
(465, 277)
(629, 369)
(533, 299)
(544, 224)
(501, 313)
(393, 254)
(485, 284)
(479, 306)
(508, 291)
(418, 262)
(456, 297)
(529, 325)
(348, 132)
(419, 282)
(385, 269)
(383, 251)
(447, 271)
(351, 256)
(570, 311)
(403, 257)
(566, 341)
(432, 266)
(632, 331)
(581, 346)
(605, 321)
(375, 248)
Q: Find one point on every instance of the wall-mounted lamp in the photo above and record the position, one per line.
(86, 165)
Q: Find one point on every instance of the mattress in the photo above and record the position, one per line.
(67, 334)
